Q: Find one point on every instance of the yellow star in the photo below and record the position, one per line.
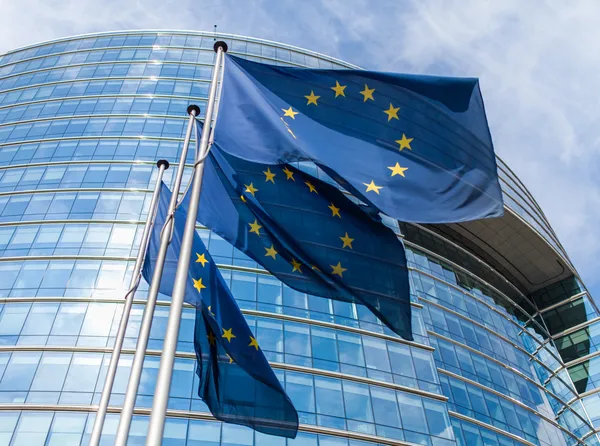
(392, 112)
(347, 241)
(230, 358)
(297, 266)
(373, 187)
(288, 173)
(312, 98)
(367, 93)
(335, 212)
(253, 343)
(255, 227)
(243, 198)
(291, 133)
(315, 268)
(404, 142)
(311, 187)
(198, 284)
(290, 112)
(397, 169)
(250, 189)
(210, 311)
(212, 340)
(201, 259)
(287, 126)
(271, 252)
(339, 89)
(227, 334)
(270, 175)
(337, 269)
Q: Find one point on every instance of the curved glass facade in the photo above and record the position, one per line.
(82, 122)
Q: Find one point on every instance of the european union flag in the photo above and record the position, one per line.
(416, 147)
(308, 234)
(236, 381)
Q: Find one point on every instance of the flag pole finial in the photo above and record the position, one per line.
(193, 107)
(220, 44)
(160, 163)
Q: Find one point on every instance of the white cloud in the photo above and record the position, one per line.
(538, 63)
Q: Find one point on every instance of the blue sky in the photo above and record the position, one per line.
(538, 63)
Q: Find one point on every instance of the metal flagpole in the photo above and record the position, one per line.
(165, 240)
(133, 285)
(165, 371)
(144, 335)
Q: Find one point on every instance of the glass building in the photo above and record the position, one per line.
(505, 349)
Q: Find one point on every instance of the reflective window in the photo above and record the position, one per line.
(499, 412)
(475, 367)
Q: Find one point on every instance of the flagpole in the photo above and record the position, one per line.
(133, 285)
(144, 334)
(165, 371)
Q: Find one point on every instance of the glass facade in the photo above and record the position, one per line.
(82, 122)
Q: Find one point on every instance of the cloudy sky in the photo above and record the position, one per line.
(538, 62)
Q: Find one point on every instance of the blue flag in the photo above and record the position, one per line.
(236, 381)
(308, 234)
(418, 148)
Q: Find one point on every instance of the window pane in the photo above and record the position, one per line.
(83, 372)
(51, 372)
(300, 389)
(32, 429)
(329, 397)
(357, 401)
(20, 371)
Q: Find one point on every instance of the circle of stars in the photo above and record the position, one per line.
(339, 90)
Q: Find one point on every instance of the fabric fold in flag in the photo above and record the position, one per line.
(418, 148)
(236, 381)
(308, 234)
